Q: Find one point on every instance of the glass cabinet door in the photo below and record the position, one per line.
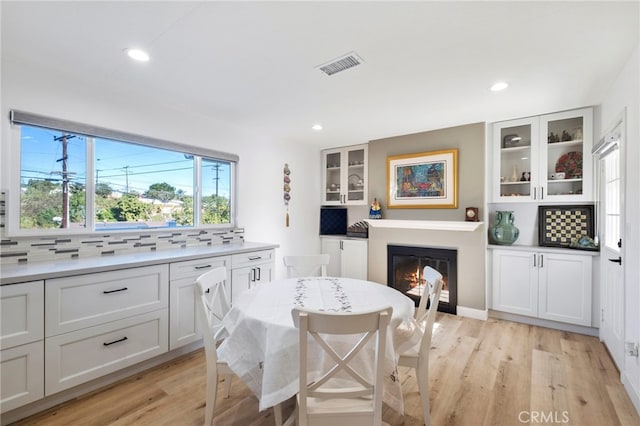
(345, 175)
(332, 176)
(515, 174)
(565, 149)
(357, 176)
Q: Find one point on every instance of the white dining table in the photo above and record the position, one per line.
(262, 345)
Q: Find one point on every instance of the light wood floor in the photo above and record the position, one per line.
(482, 373)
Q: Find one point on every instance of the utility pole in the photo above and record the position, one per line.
(126, 173)
(65, 178)
(216, 167)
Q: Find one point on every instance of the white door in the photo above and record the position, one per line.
(612, 262)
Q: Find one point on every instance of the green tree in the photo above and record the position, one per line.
(130, 208)
(215, 209)
(184, 216)
(40, 202)
(103, 190)
(161, 191)
(77, 203)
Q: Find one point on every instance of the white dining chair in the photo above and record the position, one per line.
(306, 265)
(323, 401)
(417, 357)
(212, 305)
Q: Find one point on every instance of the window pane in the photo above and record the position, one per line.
(142, 187)
(52, 179)
(216, 190)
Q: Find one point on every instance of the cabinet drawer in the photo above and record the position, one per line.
(252, 258)
(21, 313)
(86, 300)
(83, 355)
(194, 268)
(21, 375)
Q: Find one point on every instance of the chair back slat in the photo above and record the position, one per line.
(369, 326)
(306, 265)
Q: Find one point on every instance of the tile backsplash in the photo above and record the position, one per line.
(34, 249)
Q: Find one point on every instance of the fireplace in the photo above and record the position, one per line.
(404, 272)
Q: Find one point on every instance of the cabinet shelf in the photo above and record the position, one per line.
(577, 142)
(516, 183)
(553, 182)
(516, 148)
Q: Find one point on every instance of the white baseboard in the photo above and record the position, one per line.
(472, 313)
(580, 329)
(631, 391)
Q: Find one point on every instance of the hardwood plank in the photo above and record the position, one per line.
(481, 372)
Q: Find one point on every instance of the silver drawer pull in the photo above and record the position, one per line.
(115, 291)
(115, 341)
(202, 267)
(255, 258)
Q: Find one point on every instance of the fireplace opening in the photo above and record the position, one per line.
(404, 272)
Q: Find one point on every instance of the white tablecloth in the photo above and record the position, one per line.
(262, 347)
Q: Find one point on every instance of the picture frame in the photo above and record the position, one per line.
(559, 225)
(423, 180)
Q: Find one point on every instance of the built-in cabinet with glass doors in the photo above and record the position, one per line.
(543, 158)
(344, 176)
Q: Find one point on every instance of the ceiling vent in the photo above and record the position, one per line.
(342, 63)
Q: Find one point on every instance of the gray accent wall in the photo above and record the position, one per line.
(470, 142)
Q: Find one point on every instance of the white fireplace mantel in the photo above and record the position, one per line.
(434, 225)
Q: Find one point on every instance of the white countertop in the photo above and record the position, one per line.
(22, 272)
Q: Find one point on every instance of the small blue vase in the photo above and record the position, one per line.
(503, 231)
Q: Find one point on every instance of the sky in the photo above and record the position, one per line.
(118, 164)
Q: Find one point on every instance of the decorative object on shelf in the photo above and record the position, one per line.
(528, 176)
(553, 138)
(514, 175)
(503, 231)
(511, 141)
(559, 226)
(355, 182)
(571, 164)
(375, 212)
(423, 180)
(565, 136)
(577, 134)
(523, 178)
(584, 243)
(471, 214)
(287, 191)
(558, 176)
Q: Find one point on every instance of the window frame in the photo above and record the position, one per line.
(13, 193)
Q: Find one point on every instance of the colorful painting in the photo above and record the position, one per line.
(424, 180)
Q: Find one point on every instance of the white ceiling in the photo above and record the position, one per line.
(427, 65)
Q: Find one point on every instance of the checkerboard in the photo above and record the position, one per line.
(560, 225)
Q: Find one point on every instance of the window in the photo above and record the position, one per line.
(77, 181)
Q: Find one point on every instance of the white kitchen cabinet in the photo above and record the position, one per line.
(81, 301)
(347, 257)
(249, 270)
(543, 284)
(345, 175)
(79, 356)
(183, 325)
(22, 344)
(102, 322)
(21, 313)
(529, 153)
(21, 375)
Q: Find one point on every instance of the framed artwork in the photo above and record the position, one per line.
(423, 180)
(559, 226)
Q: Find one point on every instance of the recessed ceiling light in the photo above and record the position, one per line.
(317, 127)
(501, 85)
(138, 55)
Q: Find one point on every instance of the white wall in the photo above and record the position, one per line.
(625, 93)
(260, 201)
